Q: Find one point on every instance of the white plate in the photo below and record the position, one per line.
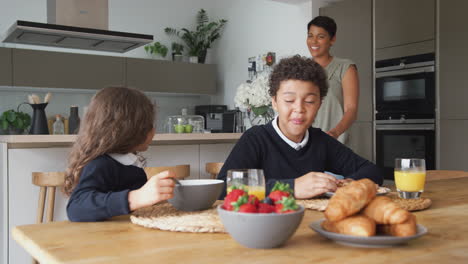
(377, 241)
(380, 191)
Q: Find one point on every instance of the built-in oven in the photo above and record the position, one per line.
(396, 139)
(405, 88)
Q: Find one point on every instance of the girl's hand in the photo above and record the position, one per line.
(158, 188)
(313, 184)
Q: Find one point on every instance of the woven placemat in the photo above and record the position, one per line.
(411, 204)
(165, 217)
(314, 204)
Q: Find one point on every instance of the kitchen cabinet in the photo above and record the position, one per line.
(404, 28)
(361, 139)
(453, 144)
(171, 77)
(453, 54)
(66, 70)
(5, 67)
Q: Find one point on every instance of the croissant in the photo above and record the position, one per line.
(384, 211)
(350, 199)
(407, 228)
(356, 225)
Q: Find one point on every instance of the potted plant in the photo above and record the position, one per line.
(14, 122)
(199, 40)
(177, 49)
(157, 49)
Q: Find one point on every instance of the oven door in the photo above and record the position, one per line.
(407, 93)
(404, 141)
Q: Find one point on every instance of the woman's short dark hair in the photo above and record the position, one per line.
(298, 68)
(324, 22)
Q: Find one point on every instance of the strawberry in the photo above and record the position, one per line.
(253, 200)
(231, 198)
(266, 208)
(248, 208)
(279, 191)
(286, 205)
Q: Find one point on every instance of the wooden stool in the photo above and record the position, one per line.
(432, 175)
(213, 168)
(47, 181)
(181, 171)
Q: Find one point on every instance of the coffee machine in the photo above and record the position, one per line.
(213, 115)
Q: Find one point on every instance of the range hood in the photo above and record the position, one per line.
(53, 35)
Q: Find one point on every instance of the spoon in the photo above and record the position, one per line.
(176, 181)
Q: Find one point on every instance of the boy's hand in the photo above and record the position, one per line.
(158, 188)
(313, 184)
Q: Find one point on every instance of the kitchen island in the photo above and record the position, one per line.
(20, 155)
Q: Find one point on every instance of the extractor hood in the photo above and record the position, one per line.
(53, 35)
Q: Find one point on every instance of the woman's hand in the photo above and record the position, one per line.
(158, 188)
(313, 184)
(333, 134)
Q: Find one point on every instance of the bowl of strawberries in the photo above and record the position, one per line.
(268, 223)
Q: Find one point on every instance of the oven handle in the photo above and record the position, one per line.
(405, 71)
(406, 127)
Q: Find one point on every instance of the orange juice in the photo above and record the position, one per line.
(258, 191)
(410, 181)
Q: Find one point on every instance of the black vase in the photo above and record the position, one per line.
(202, 56)
(73, 120)
(39, 120)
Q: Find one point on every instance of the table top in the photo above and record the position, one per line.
(120, 241)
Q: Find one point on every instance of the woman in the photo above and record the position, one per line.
(288, 149)
(339, 108)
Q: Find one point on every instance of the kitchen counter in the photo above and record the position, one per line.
(46, 141)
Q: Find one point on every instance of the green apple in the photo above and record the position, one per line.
(179, 128)
(188, 128)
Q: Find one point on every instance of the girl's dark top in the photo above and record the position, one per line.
(261, 147)
(102, 191)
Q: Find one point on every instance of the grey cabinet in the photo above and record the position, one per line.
(361, 138)
(5, 67)
(354, 41)
(400, 22)
(171, 77)
(453, 145)
(66, 70)
(453, 58)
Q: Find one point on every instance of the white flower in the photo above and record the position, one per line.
(254, 94)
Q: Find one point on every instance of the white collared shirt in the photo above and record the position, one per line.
(128, 159)
(294, 145)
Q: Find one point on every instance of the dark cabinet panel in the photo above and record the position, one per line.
(354, 41)
(66, 70)
(5, 67)
(171, 77)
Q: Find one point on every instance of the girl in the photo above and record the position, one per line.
(105, 176)
(339, 108)
(288, 149)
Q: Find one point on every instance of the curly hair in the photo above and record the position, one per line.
(298, 68)
(324, 22)
(117, 121)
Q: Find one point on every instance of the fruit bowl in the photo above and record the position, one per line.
(196, 195)
(260, 230)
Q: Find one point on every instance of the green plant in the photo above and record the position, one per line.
(199, 40)
(177, 48)
(157, 48)
(12, 119)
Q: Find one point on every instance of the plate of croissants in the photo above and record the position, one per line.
(356, 216)
(342, 183)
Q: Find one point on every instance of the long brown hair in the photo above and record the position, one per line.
(117, 121)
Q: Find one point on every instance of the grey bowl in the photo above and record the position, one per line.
(260, 230)
(196, 195)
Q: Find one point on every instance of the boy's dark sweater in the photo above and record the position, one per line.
(102, 191)
(261, 147)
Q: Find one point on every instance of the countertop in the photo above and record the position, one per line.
(120, 241)
(47, 141)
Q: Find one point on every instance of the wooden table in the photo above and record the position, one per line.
(120, 241)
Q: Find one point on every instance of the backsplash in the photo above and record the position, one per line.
(166, 104)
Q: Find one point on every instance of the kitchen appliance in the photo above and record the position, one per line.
(75, 24)
(233, 122)
(405, 88)
(213, 115)
(404, 141)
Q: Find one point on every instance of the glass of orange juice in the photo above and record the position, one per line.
(250, 180)
(410, 176)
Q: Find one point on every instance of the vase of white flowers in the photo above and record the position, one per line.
(255, 99)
